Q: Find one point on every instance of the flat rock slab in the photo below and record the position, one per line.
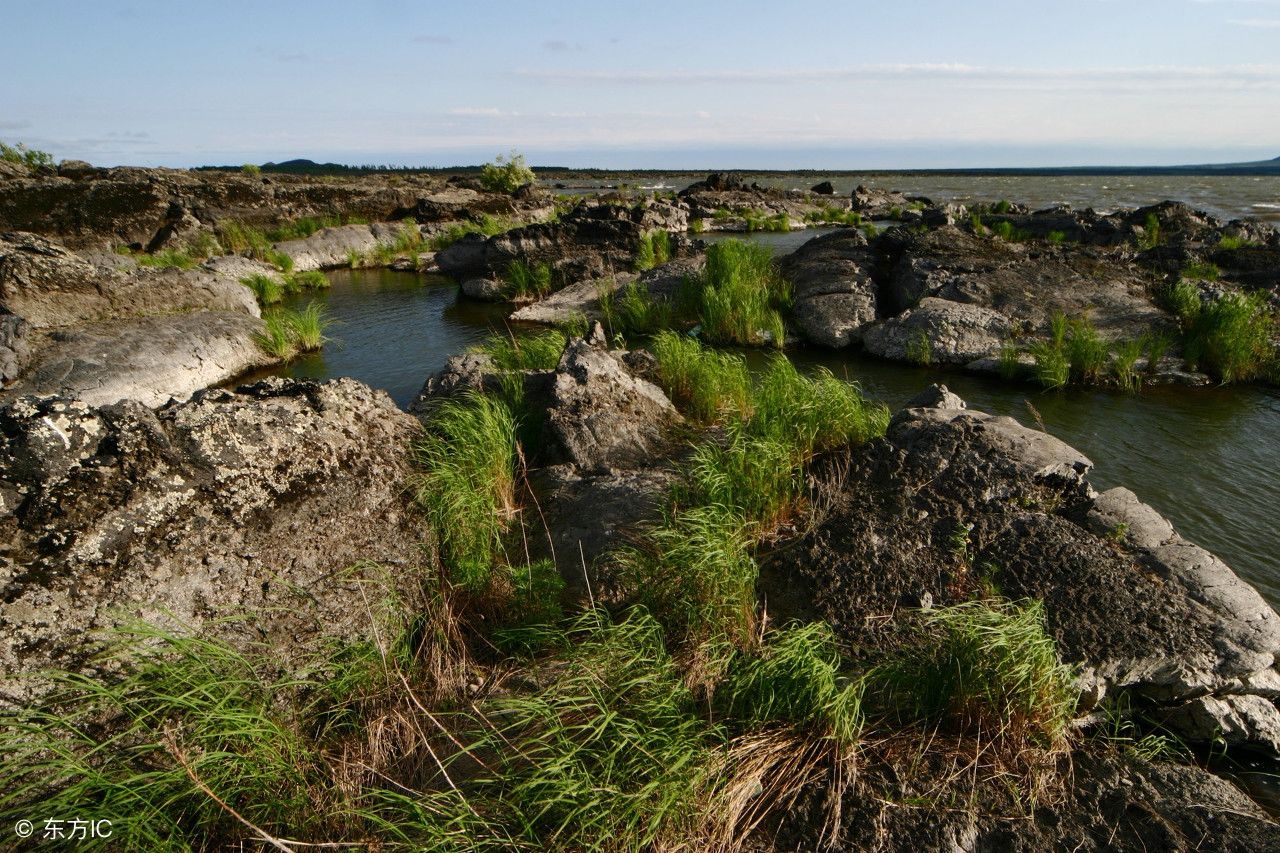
(148, 360)
(332, 247)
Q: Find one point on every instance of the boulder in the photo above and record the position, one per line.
(824, 188)
(939, 331)
(285, 500)
(833, 288)
(601, 416)
(148, 360)
(1135, 608)
(333, 247)
(15, 347)
(483, 289)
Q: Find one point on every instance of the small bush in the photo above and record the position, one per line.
(506, 174)
(703, 383)
(525, 352)
(251, 169)
(920, 349)
(1231, 337)
(528, 280)
(739, 296)
(32, 158)
(466, 457)
(988, 668)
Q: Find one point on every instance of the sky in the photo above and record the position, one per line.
(742, 84)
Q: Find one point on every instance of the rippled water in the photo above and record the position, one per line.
(1207, 459)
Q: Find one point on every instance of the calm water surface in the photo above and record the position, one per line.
(1207, 459)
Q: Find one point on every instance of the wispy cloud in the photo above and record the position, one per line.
(14, 125)
(1261, 23)
(560, 46)
(479, 111)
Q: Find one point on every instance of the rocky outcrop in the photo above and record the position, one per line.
(1135, 607)
(149, 360)
(15, 347)
(939, 331)
(276, 501)
(50, 286)
(876, 203)
(834, 291)
(333, 247)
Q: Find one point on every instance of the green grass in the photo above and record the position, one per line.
(986, 668)
(1086, 351)
(633, 311)
(276, 339)
(920, 349)
(528, 281)
(466, 482)
(32, 158)
(506, 174)
(1230, 337)
(759, 479)
(267, 288)
(524, 352)
(834, 216)
(811, 413)
(181, 259)
(1155, 345)
(796, 678)
(1074, 352)
(1057, 238)
(305, 226)
(701, 382)
(1011, 367)
(1125, 355)
(739, 296)
(1201, 270)
(654, 250)
(758, 220)
(309, 280)
(486, 225)
(307, 327)
(1150, 236)
(1229, 243)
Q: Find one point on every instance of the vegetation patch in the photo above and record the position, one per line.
(739, 297)
(506, 174)
(20, 154)
(654, 250)
(527, 281)
(633, 311)
(524, 352)
(1230, 337)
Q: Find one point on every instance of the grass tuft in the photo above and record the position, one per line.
(654, 250)
(739, 296)
(528, 281)
(524, 352)
(702, 382)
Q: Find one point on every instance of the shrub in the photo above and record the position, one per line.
(920, 349)
(702, 382)
(525, 352)
(524, 280)
(987, 668)
(251, 169)
(32, 158)
(506, 174)
(739, 295)
(466, 458)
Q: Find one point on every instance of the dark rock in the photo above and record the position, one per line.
(834, 292)
(824, 188)
(483, 289)
(939, 331)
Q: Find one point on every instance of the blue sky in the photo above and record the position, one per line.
(905, 84)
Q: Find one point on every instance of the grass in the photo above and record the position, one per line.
(1201, 270)
(701, 382)
(757, 220)
(303, 227)
(920, 349)
(506, 174)
(287, 333)
(486, 225)
(267, 288)
(1011, 367)
(739, 296)
(654, 250)
(1230, 243)
(1154, 346)
(1230, 337)
(528, 281)
(1149, 237)
(20, 154)
(633, 311)
(524, 352)
(1123, 364)
(1086, 351)
(987, 668)
(833, 216)
(466, 482)
(309, 280)
(181, 259)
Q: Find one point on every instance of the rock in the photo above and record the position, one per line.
(147, 360)
(600, 415)
(466, 372)
(1136, 608)
(257, 501)
(15, 347)
(834, 292)
(824, 188)
(333, 247)
(939, 331)
(936, 397)
(875, 203)
(76, 169)
(49, 286)
(581, 297)
(483, 289)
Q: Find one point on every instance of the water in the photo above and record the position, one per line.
(391, 329)
(1206, 458)
(1228, 197)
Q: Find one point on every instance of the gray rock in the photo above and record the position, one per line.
(483, 289)
(15, 347)
(470, 371)
(955, 333)
(936, 397)
(147, 360)
(603, 417)
(332, 247)
(824, 188)
(833, 289)
(259, 501)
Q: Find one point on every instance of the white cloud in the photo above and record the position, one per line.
(1261, 23)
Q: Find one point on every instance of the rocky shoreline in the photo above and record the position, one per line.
(295, 523)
